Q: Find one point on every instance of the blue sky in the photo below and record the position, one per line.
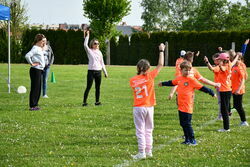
(70, 11)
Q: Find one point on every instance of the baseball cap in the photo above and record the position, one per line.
(223, 56)
(183, 52)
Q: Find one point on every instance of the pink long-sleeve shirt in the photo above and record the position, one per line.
(95, 57)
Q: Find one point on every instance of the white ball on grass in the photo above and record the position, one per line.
(21, 89)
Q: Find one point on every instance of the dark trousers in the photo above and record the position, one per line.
(97, 76)
(225, 107)
(35, 90)
(185, 122)
(237, 99)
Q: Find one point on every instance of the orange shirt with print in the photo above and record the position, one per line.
(177, 66)
(185, 90)
(244, 67)
(237, 75)
(224, 77)
(143, 89)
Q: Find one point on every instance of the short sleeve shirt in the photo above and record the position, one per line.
(143, 89)
(236, 78)
(185, 89)
(224, 77)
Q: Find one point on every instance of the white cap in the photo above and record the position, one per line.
(183, 52)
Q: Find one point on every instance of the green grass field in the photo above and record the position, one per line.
(63, 133)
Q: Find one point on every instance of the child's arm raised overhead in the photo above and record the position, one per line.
(210, 67)
(161, 57)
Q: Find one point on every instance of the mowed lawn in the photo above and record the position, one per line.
(63, 133)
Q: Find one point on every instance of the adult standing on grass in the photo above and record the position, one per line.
(144, 101)
(95, 67)
(49, 60)
(35, 58)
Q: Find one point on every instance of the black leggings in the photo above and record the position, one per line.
(225, 107)
(97, 76)
(35, 88)
(238, 106)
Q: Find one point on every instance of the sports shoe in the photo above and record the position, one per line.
(149, 154)
(98, 103)
(34, 108)
(186, 142)
(193, 143)
(139, 156)
(244, 123)
(84, 104)
(45, 96)
(224, 130)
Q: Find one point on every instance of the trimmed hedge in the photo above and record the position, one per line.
(143, 45)
(68, 46)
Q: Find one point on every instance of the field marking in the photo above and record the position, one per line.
(127, 163)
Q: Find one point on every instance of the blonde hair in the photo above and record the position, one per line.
(142, 66)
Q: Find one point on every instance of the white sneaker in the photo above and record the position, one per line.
(139, 156)
(45, 96)
(224, 130)
(244, 123)
(149, 154)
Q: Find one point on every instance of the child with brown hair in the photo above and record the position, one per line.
(144, 101)
(185, 99)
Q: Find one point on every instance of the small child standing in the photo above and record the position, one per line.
(186, 86)
(210, 67)
(144, 101)
(238, 89)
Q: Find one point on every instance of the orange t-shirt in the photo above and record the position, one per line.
(185, 90)
(236, 78)
(223, 77)
(243, 65)
(177, 66)
(143, 89)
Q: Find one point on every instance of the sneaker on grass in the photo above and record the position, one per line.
(149, 154)
(139, 156)
(244, 123)
(193, 143)
(224, 130)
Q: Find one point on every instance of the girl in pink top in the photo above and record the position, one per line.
(95, 67)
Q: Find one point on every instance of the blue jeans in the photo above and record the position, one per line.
(45, 75)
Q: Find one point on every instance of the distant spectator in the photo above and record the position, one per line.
(49, 60)
(35, 58)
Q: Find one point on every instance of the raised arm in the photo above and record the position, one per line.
(244, 47)
(161, 57)
(210, 67)
(86, 41)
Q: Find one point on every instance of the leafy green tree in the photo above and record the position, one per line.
(104, 15)
(238, 17)
(209, 16)
(18, 17)
(166, 14)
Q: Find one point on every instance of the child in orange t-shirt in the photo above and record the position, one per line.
(186, 86)
(144, 101)
(238, 89)
(216, 63)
